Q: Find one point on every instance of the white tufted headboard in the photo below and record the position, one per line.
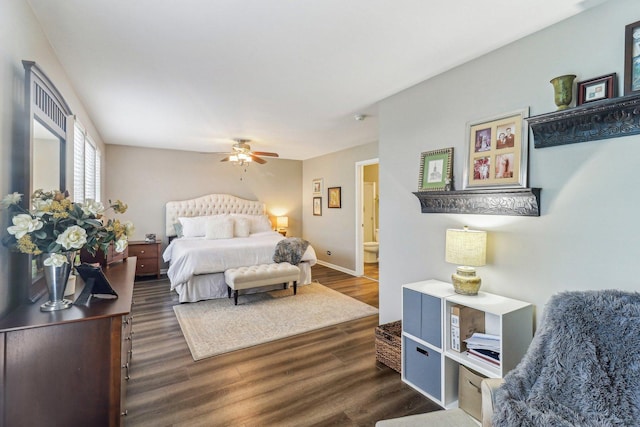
(211, 204)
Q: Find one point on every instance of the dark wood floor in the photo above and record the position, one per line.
(327, 377)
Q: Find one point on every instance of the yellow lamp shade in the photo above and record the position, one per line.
(282, 221)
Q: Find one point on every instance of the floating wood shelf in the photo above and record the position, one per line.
(609, 118)
(513, 201)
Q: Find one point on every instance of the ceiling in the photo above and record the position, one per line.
(288, 74)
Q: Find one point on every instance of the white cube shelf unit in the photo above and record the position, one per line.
(429, 364)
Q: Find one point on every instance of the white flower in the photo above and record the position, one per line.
(56, 260)
(121, 244)
(23, 224)
(11, 199)
(74, 237)
(91, 207)
(129, 228)
(39, 205)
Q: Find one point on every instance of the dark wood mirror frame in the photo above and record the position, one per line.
(44, 103)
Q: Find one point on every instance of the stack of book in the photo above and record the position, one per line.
(484, 348)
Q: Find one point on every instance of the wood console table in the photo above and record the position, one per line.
(68, 367)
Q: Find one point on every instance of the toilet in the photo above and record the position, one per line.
(371, 250)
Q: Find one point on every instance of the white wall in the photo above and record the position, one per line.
(586, 237)
(146, 179)
(335, 230)
(21, 38)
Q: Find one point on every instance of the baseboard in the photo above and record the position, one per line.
(337, 267)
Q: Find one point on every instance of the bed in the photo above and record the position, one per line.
(216, 232)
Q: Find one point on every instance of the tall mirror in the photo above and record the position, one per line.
(44, 161)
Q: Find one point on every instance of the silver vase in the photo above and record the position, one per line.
(56, 279)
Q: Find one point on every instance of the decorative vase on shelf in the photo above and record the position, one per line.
(56, 274)
(563, 90)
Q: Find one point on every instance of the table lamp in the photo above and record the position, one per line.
(282, 222)
(468, 249)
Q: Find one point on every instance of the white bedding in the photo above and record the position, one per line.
(189, 257)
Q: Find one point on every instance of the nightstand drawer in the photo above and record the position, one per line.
(146, 266)
(148, 257)
(144, 251)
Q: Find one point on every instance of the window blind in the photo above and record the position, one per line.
(86, 166)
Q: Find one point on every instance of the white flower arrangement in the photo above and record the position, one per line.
(55, 225)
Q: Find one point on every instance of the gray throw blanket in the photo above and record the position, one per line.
(582, 368)
(290, 250)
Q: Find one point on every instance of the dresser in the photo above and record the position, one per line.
(68, 367)
(148, 255)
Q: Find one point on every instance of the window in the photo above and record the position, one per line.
(86, 166)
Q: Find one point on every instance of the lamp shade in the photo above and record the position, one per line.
(282, 221)
(466, 247)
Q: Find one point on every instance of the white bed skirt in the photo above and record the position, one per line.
(212, 286)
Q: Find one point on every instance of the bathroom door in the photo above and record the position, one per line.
(369, 211)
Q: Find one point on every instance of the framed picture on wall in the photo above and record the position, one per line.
(317, 186)
(603, 87)
(436, 170)
(334, 194)
(497, 152)
(317, 206)
(632, 58)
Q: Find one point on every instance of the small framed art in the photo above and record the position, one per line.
(497, 152)
(603, 87)
(632, 58)
(317, 206)
(334, 194)
(436, 169)
(317, 187)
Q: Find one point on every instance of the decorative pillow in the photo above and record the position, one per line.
(242, 227)
(220, 227)
(178, 228)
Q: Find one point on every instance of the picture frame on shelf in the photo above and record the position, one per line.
(317, 187)
(317, 206)
(497, 152)
(596, 89)
(632, 58)
(436, 170)
(334, 197)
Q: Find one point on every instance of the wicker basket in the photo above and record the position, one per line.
(389, 344)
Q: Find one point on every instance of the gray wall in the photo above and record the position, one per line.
(21, 38)
(586, 237)
(335, 230)
(146, 179)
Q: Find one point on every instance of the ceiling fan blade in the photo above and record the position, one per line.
(263, 153)
(226, 159)
(257, 159)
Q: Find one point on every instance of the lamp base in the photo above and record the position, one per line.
(465, 281)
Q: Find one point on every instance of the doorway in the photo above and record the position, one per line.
(367, 219)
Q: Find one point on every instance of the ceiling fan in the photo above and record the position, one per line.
(242, 154)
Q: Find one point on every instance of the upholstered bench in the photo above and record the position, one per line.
(260, 275)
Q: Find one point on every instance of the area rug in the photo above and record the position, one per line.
(218, 326)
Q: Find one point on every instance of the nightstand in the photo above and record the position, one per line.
(148, 253)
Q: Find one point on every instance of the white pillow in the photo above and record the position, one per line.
(220, 227)
(242, 227)
(260, 223)
(193, 226)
